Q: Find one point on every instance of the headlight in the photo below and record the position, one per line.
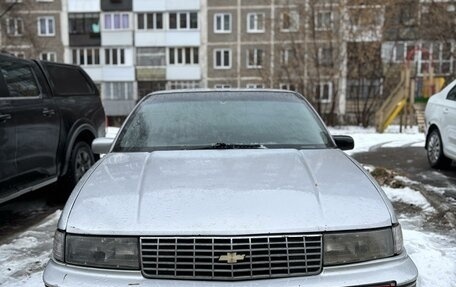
(105, 252)
(58, 250)
(351, 247)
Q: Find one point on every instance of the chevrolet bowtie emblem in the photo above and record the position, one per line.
(232, 258)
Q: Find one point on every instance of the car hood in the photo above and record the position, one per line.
(225, 192)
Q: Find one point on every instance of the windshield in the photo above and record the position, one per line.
(205, 120)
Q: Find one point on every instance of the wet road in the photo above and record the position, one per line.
(412, 163)
(21, 213)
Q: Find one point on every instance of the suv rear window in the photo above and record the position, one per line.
(68, 80)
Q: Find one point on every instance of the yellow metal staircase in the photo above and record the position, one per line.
(394, 104)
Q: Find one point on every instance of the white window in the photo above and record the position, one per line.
(222, 23)
(323, 20)
(86, 56)
(49, 56)
(287, 86)
(255, 22)
(402, 51)
(183, 21)
(323, 92)
(436, 55)
(222, 86)
(46, 26)
(222, 59)
(150, 21)
(180, 85)
(183, 56)
(255, 86)
(118, 91)
(289, 21)
(286, 55)
(116, 21)
(153, 56)
(14, 26)
(114, 56)
(325, 57)
(255, 58)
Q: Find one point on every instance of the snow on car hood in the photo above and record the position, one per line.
(225, 192)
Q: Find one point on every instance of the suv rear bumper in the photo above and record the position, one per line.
(399, 269)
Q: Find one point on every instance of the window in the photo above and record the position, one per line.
(325, 57)
(437, 55)
(19, 55)
(19, 79)
(323, 92)
(68, 80)
(46, 26)
(150, 21)
(451, 95)
(222, 59)
(116, 21)
(289, 21)
(255, 86)
(222, 23)
(183, 56)
(180, 85)
(88, 56)
(286, 55)
(222, 86)
(323, 20)
(183, 21)
(84, 23)
(401, 51)
(14, 26)
(255, 58)
(115, 56)
(49, 56)
(287, 86)
(255, 22)
(118, 91)
(155, 57)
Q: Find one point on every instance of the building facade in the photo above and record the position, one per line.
(337, 53)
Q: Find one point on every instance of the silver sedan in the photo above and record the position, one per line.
(218, 188)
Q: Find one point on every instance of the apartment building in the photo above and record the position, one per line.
(134, 47)
(32, 29)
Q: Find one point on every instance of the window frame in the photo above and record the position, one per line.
(188, 21)
(256, 53)
(323, 27)
(85, 57)
(48, 56)
(321, 85)
(109, 61)
(146, 16)
(222, 30)
(16, 26)
(47, 26)
(222, 58)
(256, 29)
(182, 56)
(112, 21)
(294, 19)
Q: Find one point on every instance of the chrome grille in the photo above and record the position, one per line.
(199, 257)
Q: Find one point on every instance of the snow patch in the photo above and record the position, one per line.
(409, 196)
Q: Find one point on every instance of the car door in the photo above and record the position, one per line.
(35, 121)
(449, 123)
(7, 138)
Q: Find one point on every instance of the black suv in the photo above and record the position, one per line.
(49, 115)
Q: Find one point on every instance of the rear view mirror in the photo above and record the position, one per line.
(344, 142)
(102, 145)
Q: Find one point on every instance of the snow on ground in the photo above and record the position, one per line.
(367, 139)
(22, 260)
(24, 257)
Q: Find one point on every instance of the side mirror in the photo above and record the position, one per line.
(344, 142)
(102, 145)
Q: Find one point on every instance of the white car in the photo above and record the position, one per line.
(441, 127)
(232, 188)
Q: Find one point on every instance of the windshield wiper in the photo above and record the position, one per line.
(232, 146)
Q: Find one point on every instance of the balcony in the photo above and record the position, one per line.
(83, 6)
(167, 38)
(117, 38)
(166, 5)
(184, 72)
(85, 40)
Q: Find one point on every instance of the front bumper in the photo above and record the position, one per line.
(399, 269)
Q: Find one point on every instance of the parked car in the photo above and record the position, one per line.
(49, 115)
(227, 186)
(440, 117)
